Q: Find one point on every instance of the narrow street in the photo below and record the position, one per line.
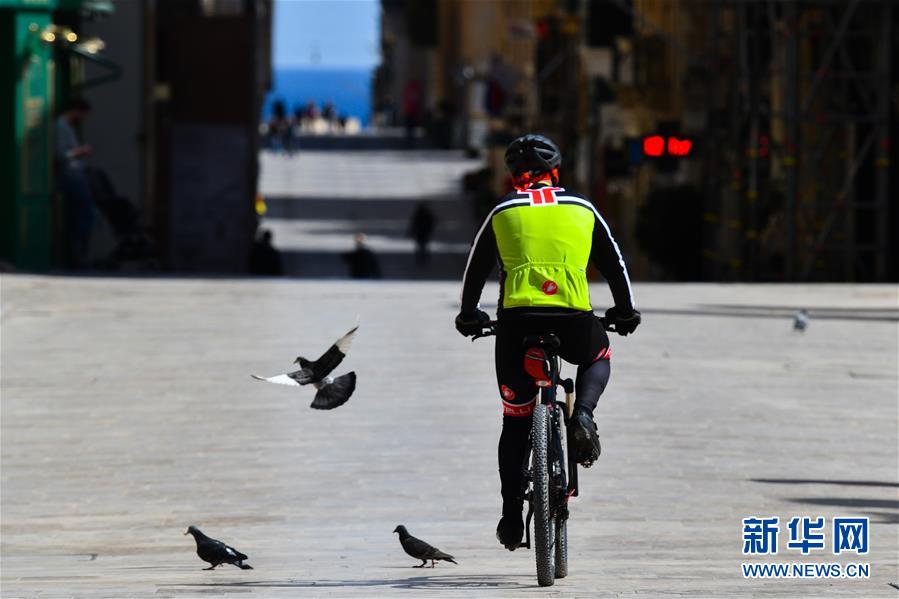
(317, 200)
(200, 198)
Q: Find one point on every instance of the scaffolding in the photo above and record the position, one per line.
(799, 114)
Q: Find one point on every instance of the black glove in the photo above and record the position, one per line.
(471, 323)
(625, 321)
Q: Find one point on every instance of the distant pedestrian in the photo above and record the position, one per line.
(71, 171)
(265, 260)
(362, 262)
(501, 77)
(303, 117)
(421, 228)
(312, 111)
(412, 109)
(329, 113)
(279, 128)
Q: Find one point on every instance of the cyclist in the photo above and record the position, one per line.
(543, 237)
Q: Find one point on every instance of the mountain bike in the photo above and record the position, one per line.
(551, 480)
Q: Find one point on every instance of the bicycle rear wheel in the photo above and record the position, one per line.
(544, 525)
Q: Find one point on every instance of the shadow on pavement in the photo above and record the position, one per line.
(885, 517)
(312, 234)
(296, 208)
(878, 509)
(439, 582)
(815, 481)
(395, 266)
(817, 309)
(868, 506)
(859, 314)
(856, 314)
(854, 502)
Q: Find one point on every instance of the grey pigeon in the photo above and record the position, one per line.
(216, 552)
(800, 321)
(332, 391)
(420, 550)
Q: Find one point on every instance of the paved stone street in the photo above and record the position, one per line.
(128, 413)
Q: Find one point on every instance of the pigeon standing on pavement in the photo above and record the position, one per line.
(332, 391)
(216, 552)
(800, 321)
(420, 550)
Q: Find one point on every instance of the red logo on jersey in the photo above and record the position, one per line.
(550, 288)
(508, 394)
(543, 196)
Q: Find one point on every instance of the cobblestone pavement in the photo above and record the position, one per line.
(128, 413)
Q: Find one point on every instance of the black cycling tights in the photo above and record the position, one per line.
(590, 383)
(513, 444)
(513, 441)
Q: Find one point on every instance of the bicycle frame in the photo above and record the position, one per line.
(566, 478)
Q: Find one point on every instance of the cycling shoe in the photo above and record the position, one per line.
(510, 530)
(584, 439)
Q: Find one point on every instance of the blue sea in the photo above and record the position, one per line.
(348, 88)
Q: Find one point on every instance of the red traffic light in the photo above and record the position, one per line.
(654, 145)
(679, 147)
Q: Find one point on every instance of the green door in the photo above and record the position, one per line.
(26, 138)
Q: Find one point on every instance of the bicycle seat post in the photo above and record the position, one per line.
(541, 359)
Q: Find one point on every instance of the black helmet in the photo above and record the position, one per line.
(532, 154)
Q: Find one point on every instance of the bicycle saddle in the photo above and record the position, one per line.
(548, 341)
(536, 362)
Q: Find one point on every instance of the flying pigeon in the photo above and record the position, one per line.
(420, 550)
(216, 552)
(800, 321)
(332, 391)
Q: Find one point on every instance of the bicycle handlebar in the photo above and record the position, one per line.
(607, 324)
(489, 331)
(490, 328)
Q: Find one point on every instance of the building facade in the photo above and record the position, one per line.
(175, 88)
(723, 140)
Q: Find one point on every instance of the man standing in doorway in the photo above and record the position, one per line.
(71, 171)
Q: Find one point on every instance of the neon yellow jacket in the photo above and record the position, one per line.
(543, 240)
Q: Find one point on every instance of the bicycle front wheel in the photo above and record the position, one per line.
(544, 525)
